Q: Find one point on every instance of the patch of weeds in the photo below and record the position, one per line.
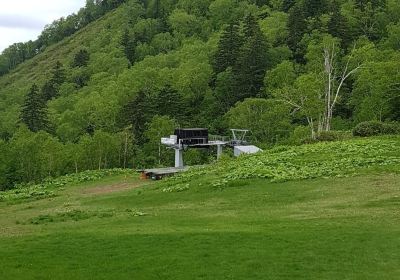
(177, 188)
(105, 214)
(33, 193)
(73, 215)
(220, 184)
(224, 183)
(135, 213)
(67, 204)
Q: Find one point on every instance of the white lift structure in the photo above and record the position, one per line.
(238, 142)
(179, 148)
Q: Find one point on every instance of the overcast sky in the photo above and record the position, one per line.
(23, 20)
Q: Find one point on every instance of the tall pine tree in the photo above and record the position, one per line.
(228, 48)
(249, 71)
(225, 92)
(58, 74)
(297, 26)
(338, 25)
(129, 45)
(81, 58)
(314, 8)
(49, 90)
(169, 102)
(34, 111)
(51, 87)
(250, 27)
(137, 113)
(287, 4)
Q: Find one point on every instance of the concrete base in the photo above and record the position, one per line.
(179, 158)
(219, 151)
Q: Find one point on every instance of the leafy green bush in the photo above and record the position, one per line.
(303, 136)
(299, 135)
(391, 128)
(334, 135)
(372, 128)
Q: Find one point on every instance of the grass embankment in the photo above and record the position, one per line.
(199, 227)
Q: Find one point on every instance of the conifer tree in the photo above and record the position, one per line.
(49, 91)
(81, 58)
(225, 91)
(168, 102)
(249, 71)
(129, 46)
(338, 25)
(228, 48)
(137, 113)
(34, 111)
(287, 4)
(156, 8)
(58, 74)
(51, 87)
(250, 27)
(297, 26)
(314, 8)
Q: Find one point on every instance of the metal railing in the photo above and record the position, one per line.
(219, 138)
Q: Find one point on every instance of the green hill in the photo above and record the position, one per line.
(301, 226)
(108, 92)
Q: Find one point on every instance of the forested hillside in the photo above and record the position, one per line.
(101, 94)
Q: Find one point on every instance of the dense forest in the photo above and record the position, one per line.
(99, 88)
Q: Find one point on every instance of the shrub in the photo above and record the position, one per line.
(333, 135)
(308, 140)
(372, 128)
(300, 135)
(391, 128)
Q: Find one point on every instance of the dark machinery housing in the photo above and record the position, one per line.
(192, 136)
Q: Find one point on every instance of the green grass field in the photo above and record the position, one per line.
(123, 228)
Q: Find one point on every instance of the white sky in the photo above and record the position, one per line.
(23, 20)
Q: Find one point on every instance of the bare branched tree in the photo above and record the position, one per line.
(335, 79)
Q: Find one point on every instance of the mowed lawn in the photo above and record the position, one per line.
(341, 228)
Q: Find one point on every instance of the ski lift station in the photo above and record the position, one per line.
(198, 138)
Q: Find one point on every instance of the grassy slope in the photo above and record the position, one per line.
(312, 229)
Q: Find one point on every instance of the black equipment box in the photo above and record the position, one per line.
(192, 136)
